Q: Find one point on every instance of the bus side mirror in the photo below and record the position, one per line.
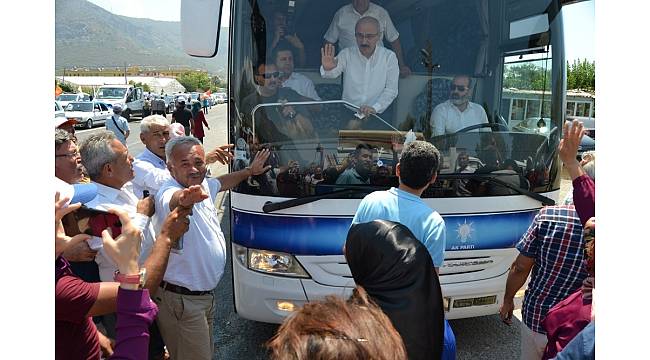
(200, 25)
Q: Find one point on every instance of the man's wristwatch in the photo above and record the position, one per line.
(139, 278)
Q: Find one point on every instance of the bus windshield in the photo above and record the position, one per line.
(111, 93)
(449, 72)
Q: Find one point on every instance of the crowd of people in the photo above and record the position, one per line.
(148, 282)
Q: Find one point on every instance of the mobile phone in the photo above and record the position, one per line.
(93, 221)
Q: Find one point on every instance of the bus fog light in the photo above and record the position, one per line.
(275, 263)
(285, 305)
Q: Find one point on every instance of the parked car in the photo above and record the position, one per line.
(221, 98)
(65, 98)
(58, 110)
(88, 113)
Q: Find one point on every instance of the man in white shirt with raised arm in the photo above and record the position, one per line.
(150, 167)
(370, 72)
(342, 29)
(458, 112)
(186, 298)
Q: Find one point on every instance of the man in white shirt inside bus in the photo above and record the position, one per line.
(342, 29)
(370, 72)
(458, 112)
(284, 61)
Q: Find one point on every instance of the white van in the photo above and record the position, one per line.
(129, 96)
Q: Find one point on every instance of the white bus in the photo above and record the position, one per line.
(288, 226)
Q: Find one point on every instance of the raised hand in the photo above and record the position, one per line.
(570, 142)
(222, 154)
(257, 165)
(295, 41)
(327, 57)
(191, 196)
(61, 240)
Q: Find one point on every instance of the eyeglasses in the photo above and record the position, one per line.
(270, 75)
(460, 88)
(365, 36)
(73, 155)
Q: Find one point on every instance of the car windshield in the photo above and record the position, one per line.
(67, 97)
(79, 106)
(111, 93)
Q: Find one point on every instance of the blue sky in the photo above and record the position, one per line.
(578, 20)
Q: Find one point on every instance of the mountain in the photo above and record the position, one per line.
(86, 35)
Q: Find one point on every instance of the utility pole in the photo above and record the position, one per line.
(125, 82)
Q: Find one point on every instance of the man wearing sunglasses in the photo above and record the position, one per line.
(277, 123)
(458, 112)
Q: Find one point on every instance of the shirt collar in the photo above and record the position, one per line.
(148, 154)
(403, 193)
(108, 192)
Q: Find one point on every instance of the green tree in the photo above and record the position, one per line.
(145, 87)
(67, 88)
(581, 75)
(195, 81)
(526, 76)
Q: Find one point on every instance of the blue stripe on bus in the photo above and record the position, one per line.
(326, 236)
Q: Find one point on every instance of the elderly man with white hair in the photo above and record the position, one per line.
(196, 266)
(371, 72)
(150, 166)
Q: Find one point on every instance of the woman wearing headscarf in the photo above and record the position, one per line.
(199, 121)
(396, 271)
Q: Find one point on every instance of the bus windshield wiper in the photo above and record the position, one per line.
(346, 190)
(495, 179)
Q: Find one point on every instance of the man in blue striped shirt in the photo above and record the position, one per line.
(553, 249)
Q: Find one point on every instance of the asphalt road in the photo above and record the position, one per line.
(236, 338)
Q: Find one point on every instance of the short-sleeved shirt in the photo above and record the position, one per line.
(345, 20)
(150, 173)
(446, 118)
(182, 117)
(409, 210)
(201, 263)
(76, 334)
(555, 241)
(120, 123)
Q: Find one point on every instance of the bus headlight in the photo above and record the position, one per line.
(275, 263)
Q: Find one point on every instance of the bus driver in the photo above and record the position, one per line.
(458, 112)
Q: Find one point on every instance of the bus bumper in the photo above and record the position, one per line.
(475, 298)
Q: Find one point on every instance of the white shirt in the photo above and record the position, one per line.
(371, 82)
(201, 264)
(150, 173)
(302, 85)
(124, 199)
(345, 20)
(447, 118)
